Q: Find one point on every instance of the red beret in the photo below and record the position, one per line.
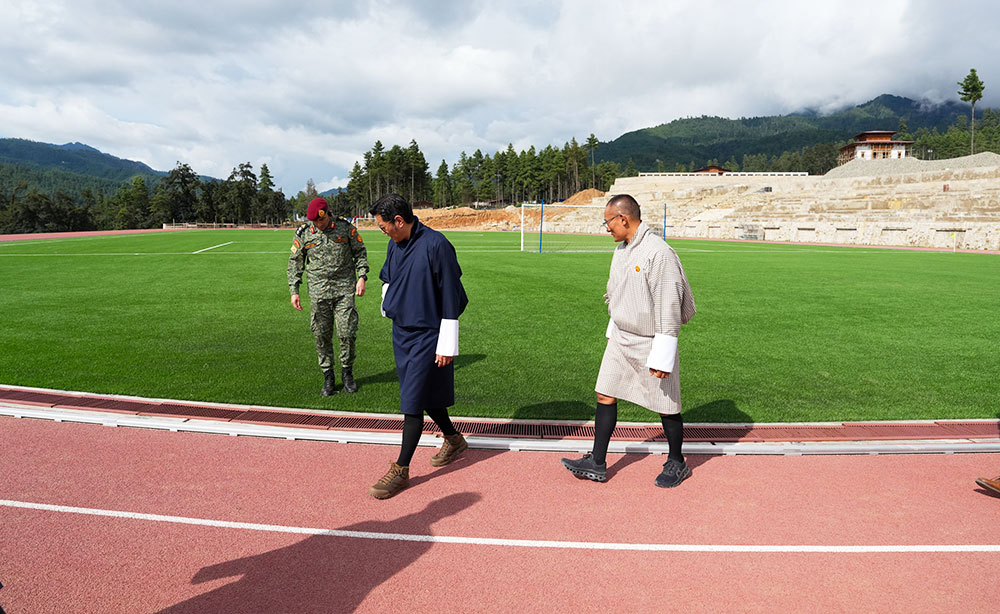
(314, 208)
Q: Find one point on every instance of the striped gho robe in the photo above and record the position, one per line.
(648, 299)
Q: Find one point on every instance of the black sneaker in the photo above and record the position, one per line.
(586, 468)
(674, 472)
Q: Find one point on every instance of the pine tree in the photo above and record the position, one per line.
(591, 146)
(972, 91)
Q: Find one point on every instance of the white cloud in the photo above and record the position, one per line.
(307, 87)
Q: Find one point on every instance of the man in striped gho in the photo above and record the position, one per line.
(648, 299)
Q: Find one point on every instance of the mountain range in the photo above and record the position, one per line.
(72, 167)
(699, 139)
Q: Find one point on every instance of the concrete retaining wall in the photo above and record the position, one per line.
(942, 208)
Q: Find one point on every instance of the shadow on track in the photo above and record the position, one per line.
(467, 459)
(321, 573)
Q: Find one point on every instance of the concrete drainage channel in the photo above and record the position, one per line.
(982, 444)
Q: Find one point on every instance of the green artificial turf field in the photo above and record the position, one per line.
(783, 332)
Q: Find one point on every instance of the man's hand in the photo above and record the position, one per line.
(359, 289)
(659, 374)
(443, 361)
(296, 302)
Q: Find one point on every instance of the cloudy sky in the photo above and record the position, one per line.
(307, 87)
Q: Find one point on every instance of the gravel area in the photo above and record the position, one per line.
(874, 168)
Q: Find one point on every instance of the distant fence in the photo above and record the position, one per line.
(201, 225)
(717, 174)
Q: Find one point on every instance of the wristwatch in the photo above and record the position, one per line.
(364, 277)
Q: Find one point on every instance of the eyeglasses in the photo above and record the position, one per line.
(608, 221)
(385, 226)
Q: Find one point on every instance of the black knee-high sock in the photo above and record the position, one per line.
(443, 420)
(413, 426)
(673, 428)
(605, 420)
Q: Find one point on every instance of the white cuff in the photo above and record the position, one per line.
(448, 338)
(385, 288)
(663, 354)
(611, 327)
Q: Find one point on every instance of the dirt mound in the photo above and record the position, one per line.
(583, 197)
(508, 218)
(466, 218)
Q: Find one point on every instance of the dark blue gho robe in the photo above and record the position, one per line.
(423, 295)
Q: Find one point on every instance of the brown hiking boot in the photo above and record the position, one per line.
(989, 484)
(453, 446)
(391, 483)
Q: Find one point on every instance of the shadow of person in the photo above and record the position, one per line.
(624, 461)
(462, 360)
(467, 459)
(556, 410)
(378, 378)
(323, 573)
(731, 419)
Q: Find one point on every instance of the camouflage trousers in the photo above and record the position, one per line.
(326, 313)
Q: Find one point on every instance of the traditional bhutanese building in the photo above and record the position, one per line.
(714, 169)
(874, 145)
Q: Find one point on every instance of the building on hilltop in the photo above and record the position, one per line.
(712, 168)
(874, 145)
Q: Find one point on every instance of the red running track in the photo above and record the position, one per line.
(54, 561)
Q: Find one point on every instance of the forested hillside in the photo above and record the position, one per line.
(695, 141)
(72, 159)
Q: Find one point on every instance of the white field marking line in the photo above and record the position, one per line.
(63, 240)
(213, 247)
(783, 251)
(140, 254)
(513, 543)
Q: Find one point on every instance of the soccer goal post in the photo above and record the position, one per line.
(547, 228)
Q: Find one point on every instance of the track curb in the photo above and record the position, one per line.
(569, 446)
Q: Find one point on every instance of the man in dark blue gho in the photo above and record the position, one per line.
(423, 295)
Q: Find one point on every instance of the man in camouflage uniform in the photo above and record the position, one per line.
(335, 260)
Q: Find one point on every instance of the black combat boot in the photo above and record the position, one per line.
(347, 374)
(329, 384)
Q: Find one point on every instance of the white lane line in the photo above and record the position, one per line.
(213, 247)
(510, 543)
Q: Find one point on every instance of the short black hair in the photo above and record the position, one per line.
(627, 206)
(391, 205)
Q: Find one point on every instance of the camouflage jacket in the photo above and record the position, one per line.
(333, 259)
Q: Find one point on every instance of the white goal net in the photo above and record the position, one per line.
(571, 228)
(551, 228)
